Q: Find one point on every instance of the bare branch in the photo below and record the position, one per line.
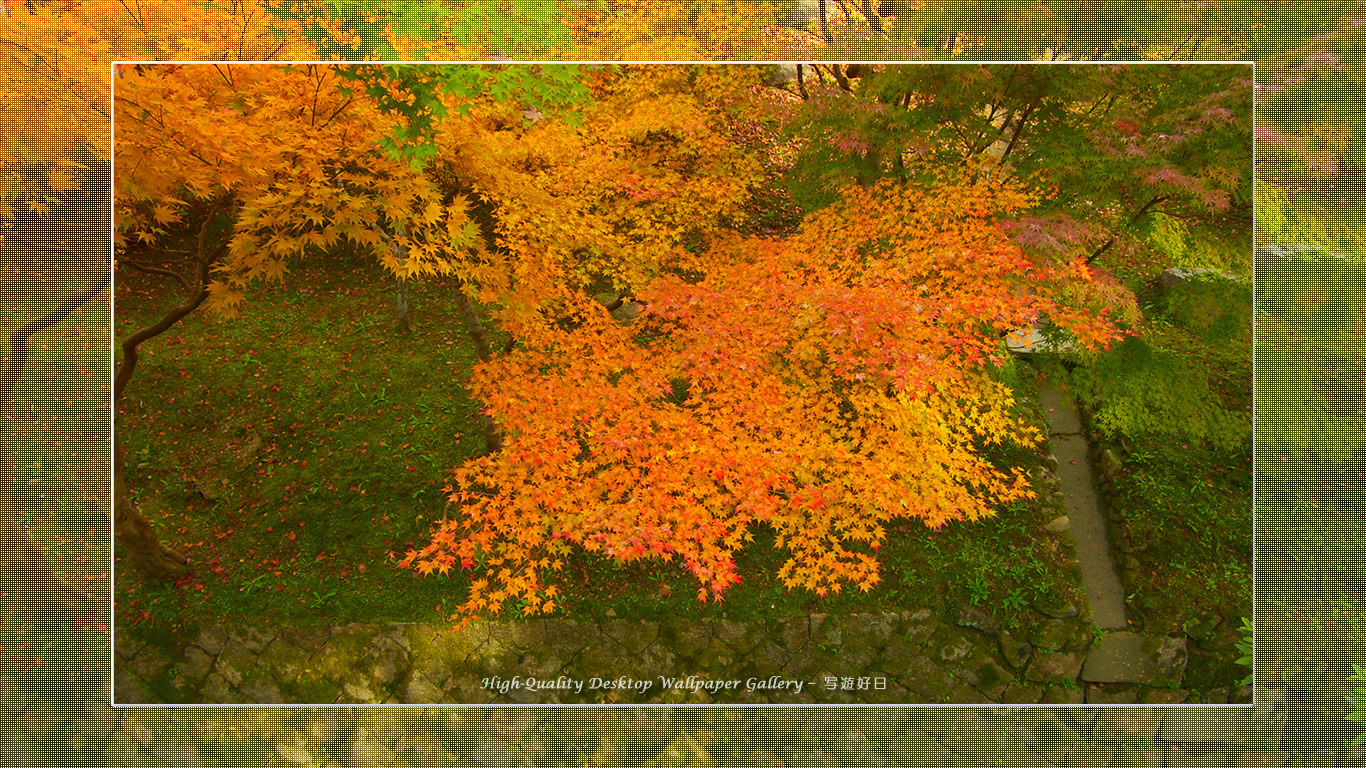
(151, 270)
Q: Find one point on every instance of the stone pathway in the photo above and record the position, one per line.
(1104, 592)
(1120, 656)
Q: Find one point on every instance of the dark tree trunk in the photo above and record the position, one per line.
(403, 317)
(135, 538)
(38, 588)
(493, 438)
(825, 24)
(138, 543)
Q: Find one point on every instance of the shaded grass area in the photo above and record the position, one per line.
(56, 450)
(1174, 407)
(1190, 509)
(296, 452)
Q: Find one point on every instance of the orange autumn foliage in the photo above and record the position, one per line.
(186, 136)
(824, 385)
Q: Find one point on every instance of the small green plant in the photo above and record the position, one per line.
(320, 600)
(1244, 647)
(1357, 700)
(1016, 600)
(1098, 634)
(977, 589)
(252, 585)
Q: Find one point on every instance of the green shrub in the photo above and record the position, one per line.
(1187, 375)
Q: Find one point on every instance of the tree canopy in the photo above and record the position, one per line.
(675, 366)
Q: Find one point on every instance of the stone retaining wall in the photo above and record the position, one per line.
(904, 658)
(44, 733)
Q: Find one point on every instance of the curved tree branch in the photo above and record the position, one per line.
(130, 344)
(198, 290)
(151, 270)
(35, 583)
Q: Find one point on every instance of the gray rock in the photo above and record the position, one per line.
(1022, 693)
(496, 753)
(420, 690)
(1053, 667)
(918, 626)
(149, 663)
(1052, 635)
(356, 689)
(1081, 719)
(782, 74)
(686, 640)
(369, 751)
(125, 645)
(685, 751)
(966, 694)
(634, 636)
(1054, 607)
(1110, 465)
(969, 616)
(1126, 725)
(987, 676)
(250, 638)
(1111, 694)
(1015, 651)
(234, 663)
(518, 637)
(806, 12)
(1161, 696)
(877, 629)
(927, 680)
(949, 647)
(1202, 627)
(1214, 696)
(283, 660)
(1059, 524)
(386, 662)
(826, 631)
(1138, 755)
(1174, 277)
(1188, 757)
(796, 632)
(738, 636)
(1128, 657)
(326, 725)
(1052, 738)
(1210, 726)
(1058, 694)
(295, 754)
(216, 690)
(1275, 759)
(857, 655)
(306, 638)
(261, 690)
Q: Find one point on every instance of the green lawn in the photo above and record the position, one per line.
(295, 453)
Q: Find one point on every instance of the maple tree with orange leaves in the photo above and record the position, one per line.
(825, 382)
(824, 385)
